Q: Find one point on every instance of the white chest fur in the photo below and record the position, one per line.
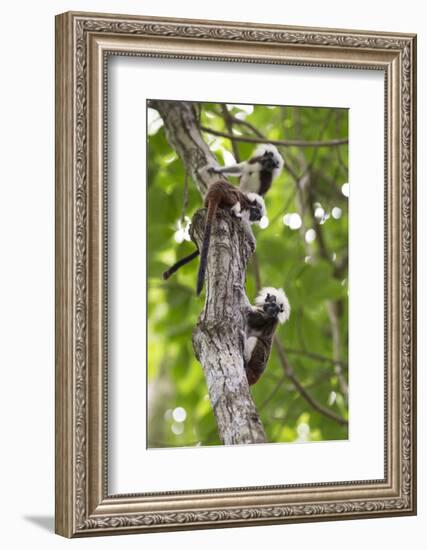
(249, 347)
(249, 181)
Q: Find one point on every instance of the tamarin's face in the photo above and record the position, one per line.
(271, 307)
(255, 212)
(269, 161)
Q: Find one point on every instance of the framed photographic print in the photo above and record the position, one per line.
(235, 274)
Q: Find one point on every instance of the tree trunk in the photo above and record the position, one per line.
(184, 137)
(217, 338)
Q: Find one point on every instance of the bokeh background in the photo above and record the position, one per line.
(302, 246)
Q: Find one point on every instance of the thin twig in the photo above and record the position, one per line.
(280, 142)
(228, 121)
(319, 138)
(336, 345)
(288, 370)
(316, 356)
(273, 393)
(247, 124)
(287, 205)
(232, 118)
(340, 159)
(300, 388)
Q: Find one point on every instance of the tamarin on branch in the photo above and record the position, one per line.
(256, 176)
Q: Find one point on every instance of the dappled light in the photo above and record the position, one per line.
(292, 220)
(345, 189)
(310, 236)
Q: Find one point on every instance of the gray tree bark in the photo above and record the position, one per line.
(217, 338)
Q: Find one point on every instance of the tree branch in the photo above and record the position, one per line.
(279, 142)
(179, 119)
(228, 121)
(217, 338)
(302, 391)
(315, 356)
(288, 370)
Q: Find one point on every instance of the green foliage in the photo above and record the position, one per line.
(313, 274)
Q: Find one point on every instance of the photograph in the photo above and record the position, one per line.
(280, 173)
(235, 273)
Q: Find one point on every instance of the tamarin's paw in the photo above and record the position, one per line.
(236, 210)
(210, 169)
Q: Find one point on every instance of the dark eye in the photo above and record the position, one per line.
(281, 308)
(267, 297)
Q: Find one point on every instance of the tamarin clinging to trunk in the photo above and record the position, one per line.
(224, 195)
(271, 309)
(256, 177)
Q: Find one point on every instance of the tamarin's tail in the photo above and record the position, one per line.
(179, 264)
(212, 207)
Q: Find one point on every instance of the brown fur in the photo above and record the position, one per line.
(220, 195)
(224, 195)
(257, 363)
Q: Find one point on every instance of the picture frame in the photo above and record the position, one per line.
(84, 506)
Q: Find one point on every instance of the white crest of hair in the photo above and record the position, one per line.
(281, 299)
(270, 148)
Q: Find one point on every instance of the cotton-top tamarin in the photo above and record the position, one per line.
(224, 195)
(271, 309)
(258, 172)
(256, 176)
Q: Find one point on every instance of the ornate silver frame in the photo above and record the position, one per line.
(83, 42)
